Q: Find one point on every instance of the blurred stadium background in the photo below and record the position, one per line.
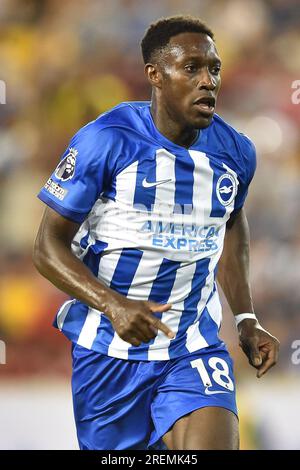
(63, 63)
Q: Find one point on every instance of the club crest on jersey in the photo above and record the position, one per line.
(226, 188)
(66, 168)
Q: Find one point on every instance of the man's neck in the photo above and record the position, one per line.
(171, 129)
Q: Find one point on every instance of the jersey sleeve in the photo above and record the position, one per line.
(248, 152)
(81, 175)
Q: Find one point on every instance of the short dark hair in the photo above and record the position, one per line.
(159, 33)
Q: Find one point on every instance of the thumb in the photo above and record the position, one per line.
(155, 307)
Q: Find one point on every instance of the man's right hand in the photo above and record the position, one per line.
(134, 321)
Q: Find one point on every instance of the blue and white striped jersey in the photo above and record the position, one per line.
(153, 216)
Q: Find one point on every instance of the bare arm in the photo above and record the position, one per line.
(52, 256)
(260, 346)
(233, 269)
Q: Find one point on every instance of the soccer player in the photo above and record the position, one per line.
(143, 203)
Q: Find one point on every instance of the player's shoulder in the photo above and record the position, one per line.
(234, 137)
(237, 146)
(117, 121)
(124, 114)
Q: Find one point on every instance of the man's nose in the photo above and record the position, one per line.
(206, 79)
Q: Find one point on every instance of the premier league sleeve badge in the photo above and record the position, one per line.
(65, 170)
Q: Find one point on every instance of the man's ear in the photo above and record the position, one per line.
(153, 75)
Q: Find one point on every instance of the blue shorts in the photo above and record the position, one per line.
(123, 405)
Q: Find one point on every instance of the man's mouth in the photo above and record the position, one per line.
(206, 105)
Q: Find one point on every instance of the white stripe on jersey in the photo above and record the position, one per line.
(107, 266)
(63, 312)
(203, 186)
(164, 193)
(126, 183)
(214, 308)
(76, 247)
(89, 329)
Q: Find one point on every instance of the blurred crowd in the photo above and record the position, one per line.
(65, 62)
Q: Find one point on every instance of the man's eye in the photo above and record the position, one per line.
(190, 68)
(216, 70)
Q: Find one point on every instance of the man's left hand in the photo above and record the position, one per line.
(260, 347)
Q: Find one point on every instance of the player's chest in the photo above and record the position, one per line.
(186, 181)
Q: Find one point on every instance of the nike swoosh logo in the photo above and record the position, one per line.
(211, 392)
(146, 184)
